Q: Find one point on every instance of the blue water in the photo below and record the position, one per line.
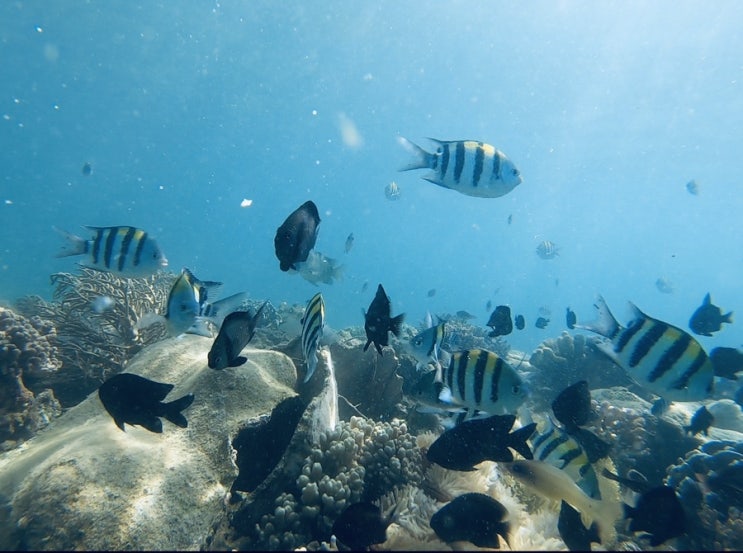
(184, 109)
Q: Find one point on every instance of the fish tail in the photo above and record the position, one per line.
(174, 408)
(420, 159)
(519, 437)
(728, 318)
(396, 324)
(605, 324)
(74, 244)
(218, 308)
(604, 513)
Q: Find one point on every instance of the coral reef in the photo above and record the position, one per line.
(559, 362)
(27, 353)
(707, 481)
(95, 345)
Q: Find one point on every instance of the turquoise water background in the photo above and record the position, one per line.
(184, 109)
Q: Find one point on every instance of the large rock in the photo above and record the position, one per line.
(84, 484)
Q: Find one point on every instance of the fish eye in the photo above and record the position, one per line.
(516, 389)
(515, 172)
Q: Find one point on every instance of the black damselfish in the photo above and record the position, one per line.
(377, 321)
(572, 407)
(236, 331)
(500, 321)
(701, 420)
(576, 536)
(708, 318)
(659, 513)
(520, 322)
(478, 440)
(297, 235)
(361, 525)
(133, 399)
(727, 362)
(570, 318)
(473, 517)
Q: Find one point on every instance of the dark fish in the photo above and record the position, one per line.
(237, 330)
(361, 525)
(123, 251)
(464, 315)
(87, 169)
(473, 517)
(572, 406)
(594, 447)
(638, 486)
(377, 321)
(542, 322)
(708, 318)
(701, 420)
(576, 536)
(431, 292)
(520, 322)
(570, 318)
(500, 321)
(727, 362)
(349, 243)
(297, 235)
(133, 399)
(478, 440)
(510, 218)
(664, 285)
(692, 187)
(488, 305)
(364, 286)
(658, 512)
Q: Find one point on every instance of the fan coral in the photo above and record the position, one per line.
(27, 352)
(96, 345)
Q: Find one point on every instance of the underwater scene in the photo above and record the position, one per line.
(332, 276)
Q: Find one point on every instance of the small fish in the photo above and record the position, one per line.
(377, 321)
(297, 235)
(236, 331)
(570, 318)
(541, 322)
(520, 322)
(392, 191)
(658, 356)
(87, 169)
(473, 517)
(463, 315)
(547, 249)
(364, 286)
(708, 318)
(572, 406)
(488, 305)
(474, 441)
(664, 285)
(426, 345)
(361, 525)
(101, 304)
(544, 311)
(133, 399)
(692, 187)
(466, 166)
(431, 293)
(500, 321)
(510, 218)
(349, 243)
(123, 251)
(313, 323)
(480, 379)
(659, 512)
(576, 536)
(727, 362)
(701, 420)
(318, 268)
(186, 300)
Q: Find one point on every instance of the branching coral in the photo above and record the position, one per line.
(95, 345)
(27, 352)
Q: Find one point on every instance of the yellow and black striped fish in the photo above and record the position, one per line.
(658, 356)
(467, 166)
(480, 380)
(554, 446)
(313, 322)
(124, 251)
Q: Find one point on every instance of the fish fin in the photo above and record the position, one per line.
(174, 408)
(503, 529)
(728, 318)
(605, 324)
(237, 361)
(368, 342)
(396, 324)
(379, 348)
(421, 159)
(217, 310)
(594, 447)
(120, 424)
(445, 395)
(518, 440)
(707, 299)
(200, 328)
(149, 319)
(75, 245)
(153, 424)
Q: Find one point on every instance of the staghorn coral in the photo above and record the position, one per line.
(27, 352)
(94, 346)
(713, 515)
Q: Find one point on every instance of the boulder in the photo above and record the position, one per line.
(84, 484)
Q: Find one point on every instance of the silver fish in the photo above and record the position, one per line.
(318, 268)
(425, 346)
(467, 166)
(547, 249)
(392, 191)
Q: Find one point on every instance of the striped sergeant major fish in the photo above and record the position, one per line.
(658, 356)
(554, 446)
(313, 322)
(124, 251)
(480, 380)
(467, 166)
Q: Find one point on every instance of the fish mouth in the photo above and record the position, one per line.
(163, 262)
